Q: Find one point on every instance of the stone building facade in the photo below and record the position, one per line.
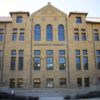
(49, 49)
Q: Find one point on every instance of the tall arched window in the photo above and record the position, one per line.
(61, 36)
(49, 33)
(37, 32)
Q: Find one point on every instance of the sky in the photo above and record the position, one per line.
(92, 7)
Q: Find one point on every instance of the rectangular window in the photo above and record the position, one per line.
(83, 36)
(61, 52)
(49, 52)
(20, 83)
(84, 52)
(14, 36)
(12, 83)
(77, 52)
(78, 63)
(98, 59)
(49, 63)
(96, 35)
(19, 19)
(21, 37)
(86, 82)
(62, 82)
(36, 83)
(85, 62)
(99, 80)
(62, 63)
(37, 52)
(79, 82)
(20, 64)
(1, 34)
(21, 53)
(78, 20)
(37, 63)
(13, 63)
(0, 63)
(76, 36)
(50, 83)
(13, 53)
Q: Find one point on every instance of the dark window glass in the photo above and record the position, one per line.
(85, 62)
(13, 53)
(98, 62)
(36, 83)
(37, 63)
(14, 36)
(78, 20)
(21, 52)
(13, 63)
(61, 52)
(77, 52)
(49, 61)
(37, 52)
(50, 83)
(20, 64)
(19, 19)
(83, 36)
(78, 63)
(96, 36)
(1, 53)
(97, 52)
(76, 36)
(86, 82)
(49, 52)
(61, 36)
(62, 82)
(0, 63)
(20, 83)
(84, 52)
(12, 83)
(1, 36)
(21, 37)
(62, 63)
(49, 33)
(79, 82)
(37, 32)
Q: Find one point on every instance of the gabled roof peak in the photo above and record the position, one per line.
(49, 3)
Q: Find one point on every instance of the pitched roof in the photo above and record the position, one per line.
(5, 19)
(93, 19)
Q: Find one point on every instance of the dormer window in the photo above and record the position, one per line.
(19, 19)
(78, 20)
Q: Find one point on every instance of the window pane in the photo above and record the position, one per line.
(21, 37)
(13, 53)
(87, 83)
(49, 52)
(62, 82)
(20, 83)
(84, 52)
(20, 64)
(37, 52)
(13, 63)
(76, 36)
(78, 20)
(97, 52)
(96, 36)
(36, 83)
(61, 52)
(78, 63)
(98, 62)
(85, 62)
(49, 33)
(0, 63)
(77, 52)
(79, 82)
(14, 36)
(19, 19)
(1, 53)
(83, 36)
(50, 83)
(1, 36)
(62, 63)
(21, 52)
(61, 36)
(37, 32)
(36, 63)
(49, 62)
(12, 83)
